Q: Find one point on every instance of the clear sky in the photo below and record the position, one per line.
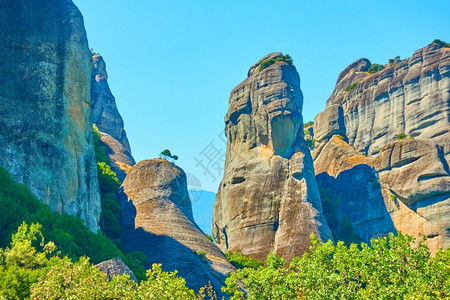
(172, 64)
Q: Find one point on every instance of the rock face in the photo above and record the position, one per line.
(268, 199)
(121, 159)
(45, 116)
(115, 266)
(391, 185)
(411, 96)
(108, 120)
(158, 221)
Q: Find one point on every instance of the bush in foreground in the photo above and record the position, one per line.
(390, 269)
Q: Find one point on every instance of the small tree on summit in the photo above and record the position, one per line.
(167, 155)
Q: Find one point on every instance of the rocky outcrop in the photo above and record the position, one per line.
(45, 116)
(370, 182)
(115, 266)
(121, 159)
(158, 221)
(104, 110)
(109, 121)
(406, 187)
(268, 199)
(410, 96)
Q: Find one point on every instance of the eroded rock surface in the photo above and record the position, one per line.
(406, 187)
(268, 199)
(46, 137)
(104, 109)
(158, 221)
(411, 96)
(115, 266)
(370, 182)
(109, 121)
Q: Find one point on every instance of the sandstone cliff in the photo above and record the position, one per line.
(108, 120)
(411, 96)
(45, 117)
(268, 199)
(370, 182)
(158, 221)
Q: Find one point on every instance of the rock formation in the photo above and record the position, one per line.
(268, 199)
(158, 221)
(45, 116)
(391, 185)
(115, 266)
(108, 120)
(411, 96)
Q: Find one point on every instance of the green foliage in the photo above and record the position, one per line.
(374, 68)
(100, 151)
(442, 43)
(167, 155)
(311, 143)
(69, 233)
(393, 197)
(209, 237)
(241, 261)
(109, 185)
(268, 62)
(390, 269)
(307, 124)
(351, 87)
(402, 136)
(202, 254)
(32, 269)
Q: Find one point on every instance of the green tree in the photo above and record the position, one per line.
(391, 268)
(166, 154)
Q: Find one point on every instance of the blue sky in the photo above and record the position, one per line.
(172, 64)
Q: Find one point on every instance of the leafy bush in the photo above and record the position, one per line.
(268, 62)
(32, 269)
(311, 143)
(241, 261)
(390, 269)
(202, 254)
(69, 233)
(402, 136)
(442, 43)
(109, 185)
(351, 87)
(307, 124)
(374, 68)
(209, 237)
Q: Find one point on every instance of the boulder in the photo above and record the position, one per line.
(157, 219)
(115, 266)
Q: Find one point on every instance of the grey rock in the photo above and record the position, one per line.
(406, 187)
(115, 266)
(268, 199)
(158, 220)
(329, 122)
(401, 185)
(121, 159)
(410, 97)
(104, 109)
(46, 137)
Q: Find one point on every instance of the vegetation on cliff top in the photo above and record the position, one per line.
(374, 68)
(442, 43)
(268, 62)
